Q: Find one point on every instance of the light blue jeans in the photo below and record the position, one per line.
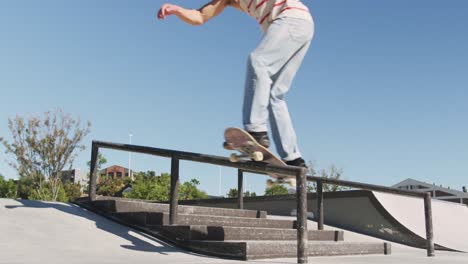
(271, 68)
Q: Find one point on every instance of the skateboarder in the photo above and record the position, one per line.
(288, 29)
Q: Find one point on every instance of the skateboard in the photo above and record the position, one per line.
(240, 140)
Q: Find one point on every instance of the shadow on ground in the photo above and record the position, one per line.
(104, 224)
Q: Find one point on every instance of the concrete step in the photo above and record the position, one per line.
(116, 205)
(160, 219)
(223, 233)
(233, 237)
(247, 250)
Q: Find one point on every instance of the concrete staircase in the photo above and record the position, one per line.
(228, 233)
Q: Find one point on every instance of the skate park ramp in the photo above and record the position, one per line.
(397, 218)
(450, 220)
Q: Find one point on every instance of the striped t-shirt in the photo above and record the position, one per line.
(265, 11)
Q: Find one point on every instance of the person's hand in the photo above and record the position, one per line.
(167, 10)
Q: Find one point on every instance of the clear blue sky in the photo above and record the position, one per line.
(382, 92)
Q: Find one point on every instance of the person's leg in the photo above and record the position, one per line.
(300, 31)
(282, 129)
(273, 51)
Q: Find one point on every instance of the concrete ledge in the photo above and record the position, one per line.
(160, 219)
(223, 233)
(248, 250)
(113, 204)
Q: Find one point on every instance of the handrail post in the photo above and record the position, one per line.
(240, 189)
(302, 235)
(429, 228)
(93, 173)
(174, 199)
(320, 205)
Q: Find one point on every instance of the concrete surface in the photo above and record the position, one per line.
(44, 232)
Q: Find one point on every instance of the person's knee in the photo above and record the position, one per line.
(256, 60)
(276, 96)
(276, 104)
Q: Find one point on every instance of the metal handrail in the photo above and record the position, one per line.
(365, 186)
(261, 168)
(255, 167)
(250, 166)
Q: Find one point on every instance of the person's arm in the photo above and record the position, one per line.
(234, 4)
(192, 16)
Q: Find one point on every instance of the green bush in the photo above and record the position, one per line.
(189, 191)
(26, 186)
(233, 193)
(44, 193)
(8, 189)
(148, 186)
(276, 190)
(72, 191)
(109, 187)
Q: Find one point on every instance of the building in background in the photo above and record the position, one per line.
(74, 176)
(115, 172)
(437, 192)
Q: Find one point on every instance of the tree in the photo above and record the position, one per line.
(233, 193)
(189, 191)
(43, 147)
(44, 193)
(249, 194)
(72, 191)
(148, 186)
(26, 187)
(101, 160)
(148, 175)
(276, 189)
(332, 173)
(109, 187)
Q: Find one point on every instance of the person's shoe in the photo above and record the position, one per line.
(261, 138)
(299, 162)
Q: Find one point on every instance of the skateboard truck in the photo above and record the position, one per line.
(290, 181)
(242, 141)
(254, 155)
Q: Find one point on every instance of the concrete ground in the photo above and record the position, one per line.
(43, 232)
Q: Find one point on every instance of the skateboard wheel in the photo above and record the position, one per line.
(227, 146)
(257, 156)
(292, 182)
(234, 158)
(250, 143)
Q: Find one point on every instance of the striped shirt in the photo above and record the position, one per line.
(265, 11)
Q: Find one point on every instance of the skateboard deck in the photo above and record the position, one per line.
(240, 140)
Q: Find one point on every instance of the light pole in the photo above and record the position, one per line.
(130, 159)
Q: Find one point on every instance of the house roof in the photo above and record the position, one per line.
(114, 168)
(430, 187)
